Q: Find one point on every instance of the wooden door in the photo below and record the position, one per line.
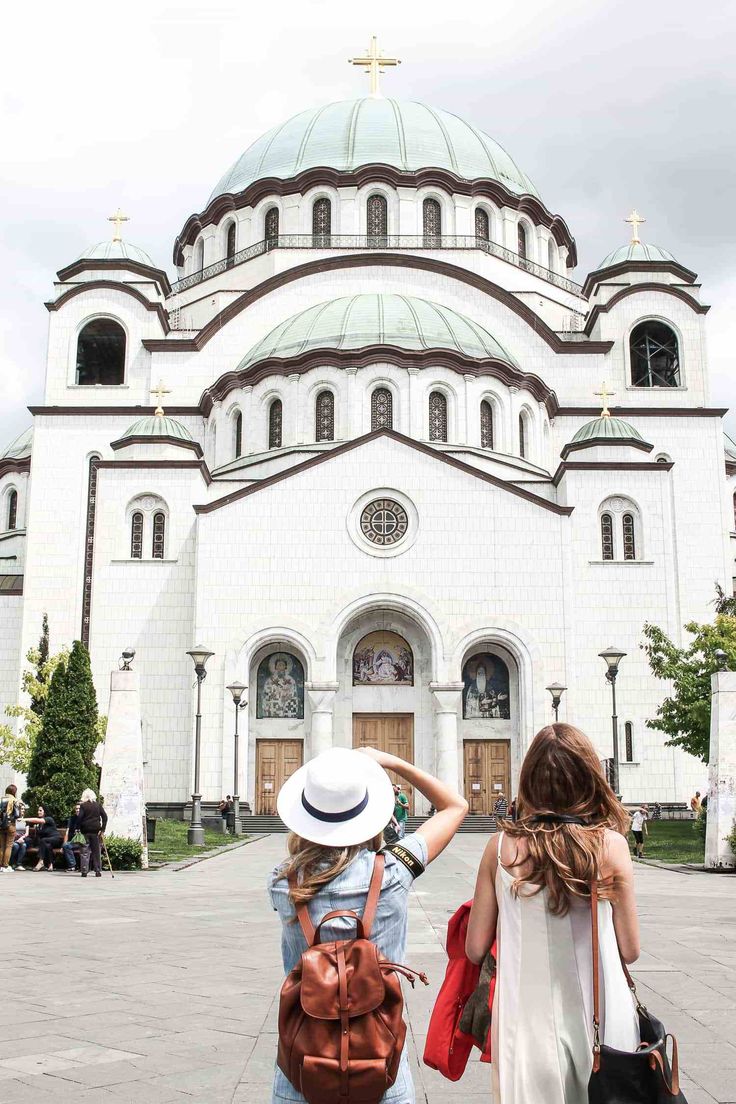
(487, 766)
(276, 760)
(391, 732)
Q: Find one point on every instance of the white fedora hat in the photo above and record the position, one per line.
(337, 799)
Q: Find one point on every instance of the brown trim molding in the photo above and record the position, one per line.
(583, 465)
(129, 411)
(446, 181)
(194, 465)
(111, 285)
(10, 464)
(617, 442)
(360, 358)
(156, 275)
(146, 439)
(603, 275)
(376, 260)
(633, 289)
(348, 446)
(17, 588)
(645, 411)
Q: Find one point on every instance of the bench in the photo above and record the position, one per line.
(32, 847)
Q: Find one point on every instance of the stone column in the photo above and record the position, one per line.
(291, 432)
(350, 424)
(121, 780)
(721, 771)
(413, 421)
(447, 697)
(322, 704)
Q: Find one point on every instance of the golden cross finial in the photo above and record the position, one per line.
(374, 64)
(605, 394)
(159, 392)
(635, 220)
(118, 218)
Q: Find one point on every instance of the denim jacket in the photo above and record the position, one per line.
(349, 891)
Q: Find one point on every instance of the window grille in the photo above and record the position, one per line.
(521, 238)
(482, 224)
(230, 247)
(271, 226)
(136, 536)
(377, 220)
(382, 409)
(629, 540)
(437, 416)
(238, 434)
(159, 533)
(629, 741)
(324, 416)
(13, 510)
(486, 425)
(522, 437)
(275, 424)
(606, 537)
(734, 511)
(431, 222)
(655, 360)
(89, 549)
(101, 353)
(322, 221)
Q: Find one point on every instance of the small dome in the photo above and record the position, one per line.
(116, 251)
(357, 321)
(157, 425)
(638, 251)
(369, 131)
(20, 447)
(614, 429)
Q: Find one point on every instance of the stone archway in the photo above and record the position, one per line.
(489, 724)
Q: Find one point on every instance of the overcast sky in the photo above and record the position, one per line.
(605, 104)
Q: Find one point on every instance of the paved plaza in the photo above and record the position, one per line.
(163, 986)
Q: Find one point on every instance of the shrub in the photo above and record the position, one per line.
(700, 824)
(731, 838)
(125, 854)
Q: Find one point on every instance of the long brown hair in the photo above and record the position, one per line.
(561, 774)
(314, 865)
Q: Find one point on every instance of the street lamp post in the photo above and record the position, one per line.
(237, 689)
(556, 689)
(613, 657)
(195, 833)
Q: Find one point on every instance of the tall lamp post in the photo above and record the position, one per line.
(195, 833)
(237, 689)
(556, 689)
(613, 657)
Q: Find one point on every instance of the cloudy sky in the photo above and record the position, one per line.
(606, 104)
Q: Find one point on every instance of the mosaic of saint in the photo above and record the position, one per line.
(486, 688)
(383, 658)
(280, 687)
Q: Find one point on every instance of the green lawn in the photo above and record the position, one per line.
(672, 841)
(171, 842)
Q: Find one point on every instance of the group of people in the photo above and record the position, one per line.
(81, 845)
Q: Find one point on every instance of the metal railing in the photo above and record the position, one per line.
(382, 241)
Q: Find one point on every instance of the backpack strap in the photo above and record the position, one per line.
(374, 892)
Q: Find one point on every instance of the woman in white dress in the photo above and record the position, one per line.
(533, 895)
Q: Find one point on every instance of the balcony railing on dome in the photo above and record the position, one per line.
(382, 241)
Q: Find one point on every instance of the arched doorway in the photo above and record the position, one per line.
(489, 724)
(277, 722)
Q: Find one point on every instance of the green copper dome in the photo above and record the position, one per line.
(20, 447)
(614, 429)
(157, 425)
(116, 251)
(357, 321)
(637, 252)
(367, 131)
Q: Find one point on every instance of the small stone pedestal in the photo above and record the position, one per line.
(121, 782)
(721, 772)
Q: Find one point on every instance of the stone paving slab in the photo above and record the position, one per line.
(166, 990)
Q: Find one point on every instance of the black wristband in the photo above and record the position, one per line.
(411, 862)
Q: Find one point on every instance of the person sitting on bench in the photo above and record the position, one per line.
(47, 837)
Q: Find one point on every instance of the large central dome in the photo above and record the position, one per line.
(345, 135)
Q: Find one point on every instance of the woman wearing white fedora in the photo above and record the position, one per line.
(336, 807)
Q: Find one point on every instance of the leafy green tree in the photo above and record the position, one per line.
(16, 747)
(684, 716)
(62, 763)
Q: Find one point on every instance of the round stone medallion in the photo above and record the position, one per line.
(384, 522)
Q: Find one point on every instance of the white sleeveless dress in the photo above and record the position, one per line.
(542, 1025)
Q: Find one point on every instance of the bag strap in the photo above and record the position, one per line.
(371, 904)
(596, 977)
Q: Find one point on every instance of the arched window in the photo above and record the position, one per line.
(230, 244)
(101, 354)
(199, 256)
(324, 417)
(629, 742)
(486, 425)
(13, 510)
(271, 227)
(382, 409)
(606, 537)
(238, 433)
(482, 224)
(321, 221)
(159, 533)
(275, 424)
(377, 220)
(437, 416)
(655, 359)
(136, 536)
(551, 256)
(523, 443)
(734, 511)
(431, 222)
(629, 537)
(521, 238)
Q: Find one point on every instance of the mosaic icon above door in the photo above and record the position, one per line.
(383, 658)
(280, 687)
(486, 688)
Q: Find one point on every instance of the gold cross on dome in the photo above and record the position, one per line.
(374, 64)
(635, 220)
(159, 392)
(605, 394)
(118, 218)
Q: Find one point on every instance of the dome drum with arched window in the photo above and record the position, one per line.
(157, 434)
(606, 431)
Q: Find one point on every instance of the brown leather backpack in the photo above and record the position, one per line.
(341, 1028)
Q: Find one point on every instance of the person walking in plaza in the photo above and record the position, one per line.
(336, 807)
(533, 894)
(10, 809)
(91, 822)
(500, 806)
(695, 803)
(401, 810)
(225, 806)
(639, 829)
(47, 838)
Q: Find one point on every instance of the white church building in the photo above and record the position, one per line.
(409, 474)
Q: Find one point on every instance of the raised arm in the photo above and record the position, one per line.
(484, 913)
(451, 806)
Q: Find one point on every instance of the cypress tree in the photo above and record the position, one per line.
(38, 704)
